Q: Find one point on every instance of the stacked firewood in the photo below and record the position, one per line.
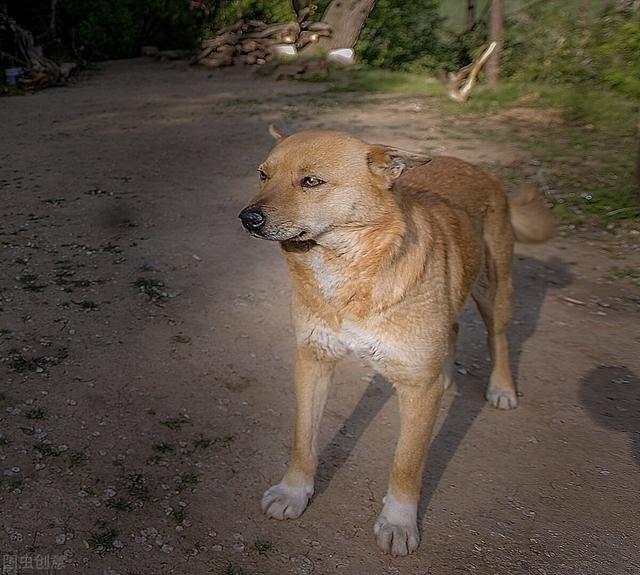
(255, 42)
(38, 70)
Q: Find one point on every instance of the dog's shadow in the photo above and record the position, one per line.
(611, 396)
(532, 278)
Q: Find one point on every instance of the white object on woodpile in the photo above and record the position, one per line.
(285, 51)
(341, 56)
(149, 51)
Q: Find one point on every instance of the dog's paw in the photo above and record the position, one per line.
(501, 399)
(396, 528)
(284, 501)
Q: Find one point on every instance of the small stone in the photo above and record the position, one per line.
(216, 548)
(61, 539)
(118, 544)
(166, 548)
(110, 492)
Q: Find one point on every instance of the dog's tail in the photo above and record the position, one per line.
(531, 220)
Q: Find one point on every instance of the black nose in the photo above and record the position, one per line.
(252, 218)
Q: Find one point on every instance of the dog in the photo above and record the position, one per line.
(384, 248)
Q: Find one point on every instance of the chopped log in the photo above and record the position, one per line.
(253, 42)
(249, 45)
(310, 37)
(317, 26)
(275, 30)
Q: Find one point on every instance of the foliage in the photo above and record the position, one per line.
(622, 52)
(547, 42)
(402, 34)
(228, 11)
(102, 29)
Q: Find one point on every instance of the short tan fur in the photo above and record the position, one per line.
(384, 248)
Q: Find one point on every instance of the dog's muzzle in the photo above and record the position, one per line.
(252, 218)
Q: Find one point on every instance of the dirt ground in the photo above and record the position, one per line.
(146, 352)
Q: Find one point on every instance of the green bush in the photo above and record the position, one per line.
(103, 29)
(402, 35)
(547, 42)
(621, 54)
(228, 11)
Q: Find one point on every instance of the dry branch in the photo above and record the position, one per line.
(460, 84)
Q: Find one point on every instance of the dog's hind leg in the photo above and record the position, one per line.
(492, 295)
(289, 498)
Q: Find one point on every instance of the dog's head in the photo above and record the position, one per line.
(316, 181)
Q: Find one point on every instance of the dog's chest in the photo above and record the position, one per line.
(368, 343)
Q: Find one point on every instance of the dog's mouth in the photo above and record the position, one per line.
(276, 235)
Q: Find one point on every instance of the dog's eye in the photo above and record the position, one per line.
(262, 174)
(310, 182)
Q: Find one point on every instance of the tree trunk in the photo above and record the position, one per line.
(638, 158)
(346, 18)
(583, 14)
(495, 35)
(471, 15)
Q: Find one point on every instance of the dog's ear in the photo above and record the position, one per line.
(276, 134)
(391, 162)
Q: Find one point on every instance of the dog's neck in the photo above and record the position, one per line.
(359, 268)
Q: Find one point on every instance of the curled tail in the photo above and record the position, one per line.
(531, 220)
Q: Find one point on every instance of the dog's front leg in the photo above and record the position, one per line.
(289, 498)
(396, 528)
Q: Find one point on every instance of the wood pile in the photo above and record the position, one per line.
(40, 71)
(254, 42)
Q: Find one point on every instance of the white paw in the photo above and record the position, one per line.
(501, 399)
(284, 501)
(396, 528)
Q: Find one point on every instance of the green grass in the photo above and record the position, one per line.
(153, 289)
(46, 449)
(163, 448)
(263, 547)
(77, 458)
(202, 442)
(189, 478)
(103, 539)
(588, 155)
(30, 283)
(386, 81)
(176, 423)
(21, 364)
(119, 504)
(35, 413)
(629, 273)
(15, 483)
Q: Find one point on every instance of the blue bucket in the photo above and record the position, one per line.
(11, 75)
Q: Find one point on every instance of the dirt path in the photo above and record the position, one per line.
(146, 356)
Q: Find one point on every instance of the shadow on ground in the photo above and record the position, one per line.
(611, 396)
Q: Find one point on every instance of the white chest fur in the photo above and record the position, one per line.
(326, 276)
(368, 344)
